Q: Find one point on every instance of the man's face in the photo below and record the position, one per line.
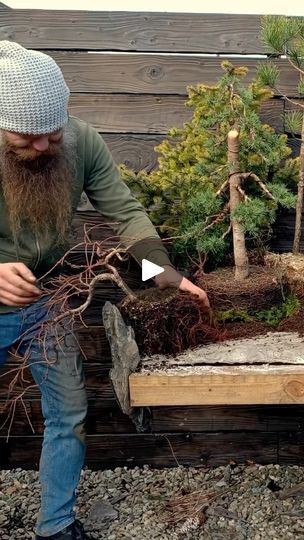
(29, 147)
(36, 174)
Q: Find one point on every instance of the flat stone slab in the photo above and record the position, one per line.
(272, 348)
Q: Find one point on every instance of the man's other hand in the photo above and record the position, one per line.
(17, 285)
(172, 278)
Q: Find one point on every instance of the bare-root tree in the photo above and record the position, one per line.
(61, 292)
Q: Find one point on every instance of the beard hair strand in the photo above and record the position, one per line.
(37, 187)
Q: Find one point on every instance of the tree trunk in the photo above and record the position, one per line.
(239, 247)
(299, 207)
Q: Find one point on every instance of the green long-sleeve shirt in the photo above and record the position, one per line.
(98, 176)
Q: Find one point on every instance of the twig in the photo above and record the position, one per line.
(263, 186)
(295, 65)
(242, 192)
(227, 232)
(222, 188)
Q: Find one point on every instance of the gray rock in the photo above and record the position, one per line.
(100, 511)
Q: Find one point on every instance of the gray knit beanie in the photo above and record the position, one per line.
(33, 93)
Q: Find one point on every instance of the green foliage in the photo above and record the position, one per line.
(181, 195)
(196, 238)
(301, 87)
(283, 196)
(268, 74)
(284, 35)
(234, 315)
(286, 174)
(271, 317)
(254, 215)
(294, 121)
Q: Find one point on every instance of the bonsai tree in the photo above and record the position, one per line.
(285, 36)
(224, 171)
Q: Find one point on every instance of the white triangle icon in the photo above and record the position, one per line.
(150, 270)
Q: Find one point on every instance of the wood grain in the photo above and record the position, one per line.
(98, 384)
(158, 74)
(134, 151)
(276, 418)
(131, 113)
(218, 386)
(133, 31)
(111, 450)
(101, 419)
(291, 448)
(104, 419)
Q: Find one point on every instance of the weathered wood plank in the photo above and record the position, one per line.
(157, 74)
(101, 419)
(95, 345)
(231, 418)
(128, 113)
(131, 113)
(282, 239)
(134, 151)
(210, 385)
(98, 384)
(133, 31)
(291, 448)
(112, 450)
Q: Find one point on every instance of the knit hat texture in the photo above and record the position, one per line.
(33, 93)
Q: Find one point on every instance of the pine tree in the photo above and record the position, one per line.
(189, 195)
(285, 36)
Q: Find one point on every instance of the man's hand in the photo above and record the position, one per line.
(172, 278)
(17, 285)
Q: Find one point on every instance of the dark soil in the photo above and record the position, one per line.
(295, 323)
(242, 329)
(256, 293)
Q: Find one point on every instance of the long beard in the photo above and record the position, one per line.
(37, 187)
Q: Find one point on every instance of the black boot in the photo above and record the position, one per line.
(72, 532)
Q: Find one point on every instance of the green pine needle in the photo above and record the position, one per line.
(294, 121)
(279, 31)
(268, 74)
(301, 87)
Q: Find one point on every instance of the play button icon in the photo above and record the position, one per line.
(150, 270)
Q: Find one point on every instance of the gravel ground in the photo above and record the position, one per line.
(126, 503)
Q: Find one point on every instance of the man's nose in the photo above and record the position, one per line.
(41, 143)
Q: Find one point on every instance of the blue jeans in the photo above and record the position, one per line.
(64, 408)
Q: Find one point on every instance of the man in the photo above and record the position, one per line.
(47, 159)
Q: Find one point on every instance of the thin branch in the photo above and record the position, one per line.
(218, 217)
(295, 66)
(294, 102)
(222, 188)
(242, 192)
(263, 186)
(226, 232)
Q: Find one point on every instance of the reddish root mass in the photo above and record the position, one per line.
(169, 321)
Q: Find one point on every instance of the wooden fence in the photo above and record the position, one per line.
(128, 74)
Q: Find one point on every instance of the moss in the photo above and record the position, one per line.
(233, 315)
(271, 317)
